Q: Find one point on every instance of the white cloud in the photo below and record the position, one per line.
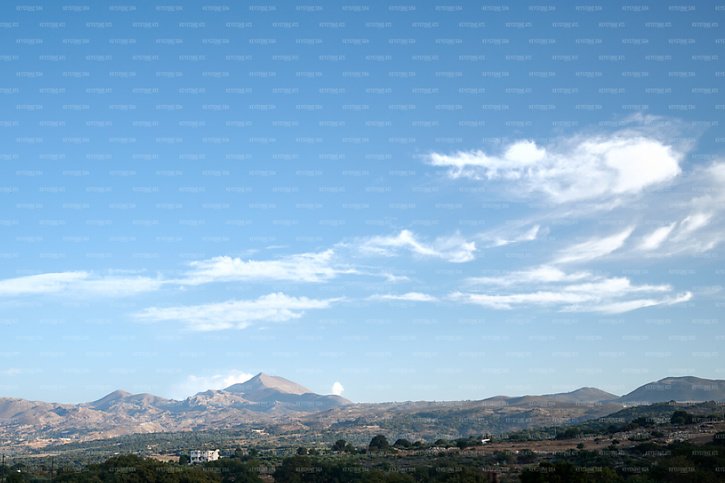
(594, 248)
(695, 233)
(337, 388)
(581, 168)
(693, 223)
(702, 226)
(239, 314)
(40, 284)
(406, 297)
(630, 305)
(477, 164)
(393, 278)
(452, 248)
(656, 238)
(529, 235)
(77, 284)
(541, 274)
(604, 287)
(304, 267)
(546, 286)
(194, 384)
(508, 301)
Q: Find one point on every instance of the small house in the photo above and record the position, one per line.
(203, 456)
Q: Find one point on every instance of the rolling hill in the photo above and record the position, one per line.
(279, 406)
(681, 389)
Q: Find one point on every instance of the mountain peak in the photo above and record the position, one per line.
(265, 383)
(685, 379)
(110, 398)
(594, 393)
(115, 395)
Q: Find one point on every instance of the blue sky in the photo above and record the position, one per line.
(403, 200)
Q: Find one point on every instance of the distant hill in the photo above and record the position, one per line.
(118, 399)
(584, 395)
(275, 405)
(681, 389)
(263, 398)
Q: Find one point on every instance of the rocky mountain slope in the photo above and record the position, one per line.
(277, 405)
(681, 389)
(262, 398)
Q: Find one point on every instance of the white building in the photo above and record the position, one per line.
(203, 456)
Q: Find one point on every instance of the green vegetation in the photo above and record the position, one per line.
(308, 470)
(638, 418)
(132, 468)
(681, 417)
(402, 443)
(379, 443)
(342, 446)
(642, 463)
(663, 442)
(567, 473)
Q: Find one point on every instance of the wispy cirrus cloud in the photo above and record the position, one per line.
(593, 248)
(678, 236)
(696, 233)
(630, 305)
(43, 283)
(236, 314)
(405, 297)
(580, 168)
(303, 267)
(536, 275)
(690, 215)
(452, 248)
(591, 294)
(691, 223)
(654, 240)
(500, 239)
(78, 283)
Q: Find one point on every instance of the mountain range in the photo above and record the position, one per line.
(279, 405)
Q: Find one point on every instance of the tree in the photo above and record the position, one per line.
(525, 457)
(379, 443)
(402, 443)
(569, 433)
(231, 470)
(184, 459)
(339, 445)
(301, 451)
(681, 417)
(566, 473)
